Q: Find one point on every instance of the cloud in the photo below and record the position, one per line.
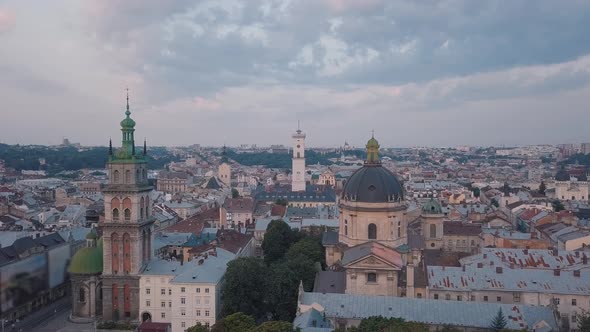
(416, 71)
(7, 20)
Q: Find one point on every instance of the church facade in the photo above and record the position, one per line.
(371, 244)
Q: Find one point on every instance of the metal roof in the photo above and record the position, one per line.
(433, 312)
(490, 278)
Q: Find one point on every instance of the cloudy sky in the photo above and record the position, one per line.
(434, 73)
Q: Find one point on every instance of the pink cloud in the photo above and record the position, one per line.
(206, 104)
(7, 20)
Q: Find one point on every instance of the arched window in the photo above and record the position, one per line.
(432, 231)
(127, 176)
(372, 232)
(127, 209)
(126, 253)
(115, 214)
(127, 214)
(116, 176)
(141, 207)
(345, 230)
(115, 253)
(371, 277)
(82, 294)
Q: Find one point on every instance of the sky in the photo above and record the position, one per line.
(214, 72)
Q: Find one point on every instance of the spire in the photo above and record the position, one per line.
(110, 147)
(144, 147)
(298, 127)
(128, 112)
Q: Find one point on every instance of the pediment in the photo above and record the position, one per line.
(372, 262)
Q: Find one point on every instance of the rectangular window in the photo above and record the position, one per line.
(170, 304)
(436, 296)
(163, 304)
(574, 302)
(473, 298)
(147, 303)
(206, 313)
(419, 295)
(459, 298)
(198, 312)
(169, 291)
(206, 290)
(147, 291)
(182, 324)
(197, 300)
(182, 312)
(499, 299)
(163, 291)
(198, 290)
(207, 300)
(485, 299)
(182, 289)
(516, 297)
(182, 300)
(163, 315)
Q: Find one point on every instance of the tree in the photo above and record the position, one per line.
(281, 294)
(198, 328)
(308, 247)
(476, 192)
(558, 205)
(542, 188)
(244, 287)
(275, 326)
(238, 322)
(235, 193)
(499, 322)
(277, 240)
(379, 323)
(583, 320)
(495, 202)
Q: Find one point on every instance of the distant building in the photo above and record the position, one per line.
(298, 173)
(172, 182)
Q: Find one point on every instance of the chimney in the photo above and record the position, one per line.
(556, 272)
(479, 265)
(499, 270)
(577, 254)
(463, 268)
(526, 251)
(585, 259)
(555, 251)
(577, 273)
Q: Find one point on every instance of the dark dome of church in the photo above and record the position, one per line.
(373, 184)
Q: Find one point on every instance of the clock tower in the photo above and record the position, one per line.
(298, 176)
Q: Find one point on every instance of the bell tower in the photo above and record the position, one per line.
(298, 176)
(127, 226)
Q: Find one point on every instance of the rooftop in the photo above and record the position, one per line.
(435, 312)
(528, 259)
(211, 270)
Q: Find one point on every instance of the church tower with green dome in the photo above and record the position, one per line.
(127, 226)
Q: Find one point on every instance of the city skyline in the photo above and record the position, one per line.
(213, 72)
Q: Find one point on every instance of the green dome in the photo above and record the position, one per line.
(91, 235)
(128, 122)
(432, 207)
(87, 260)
